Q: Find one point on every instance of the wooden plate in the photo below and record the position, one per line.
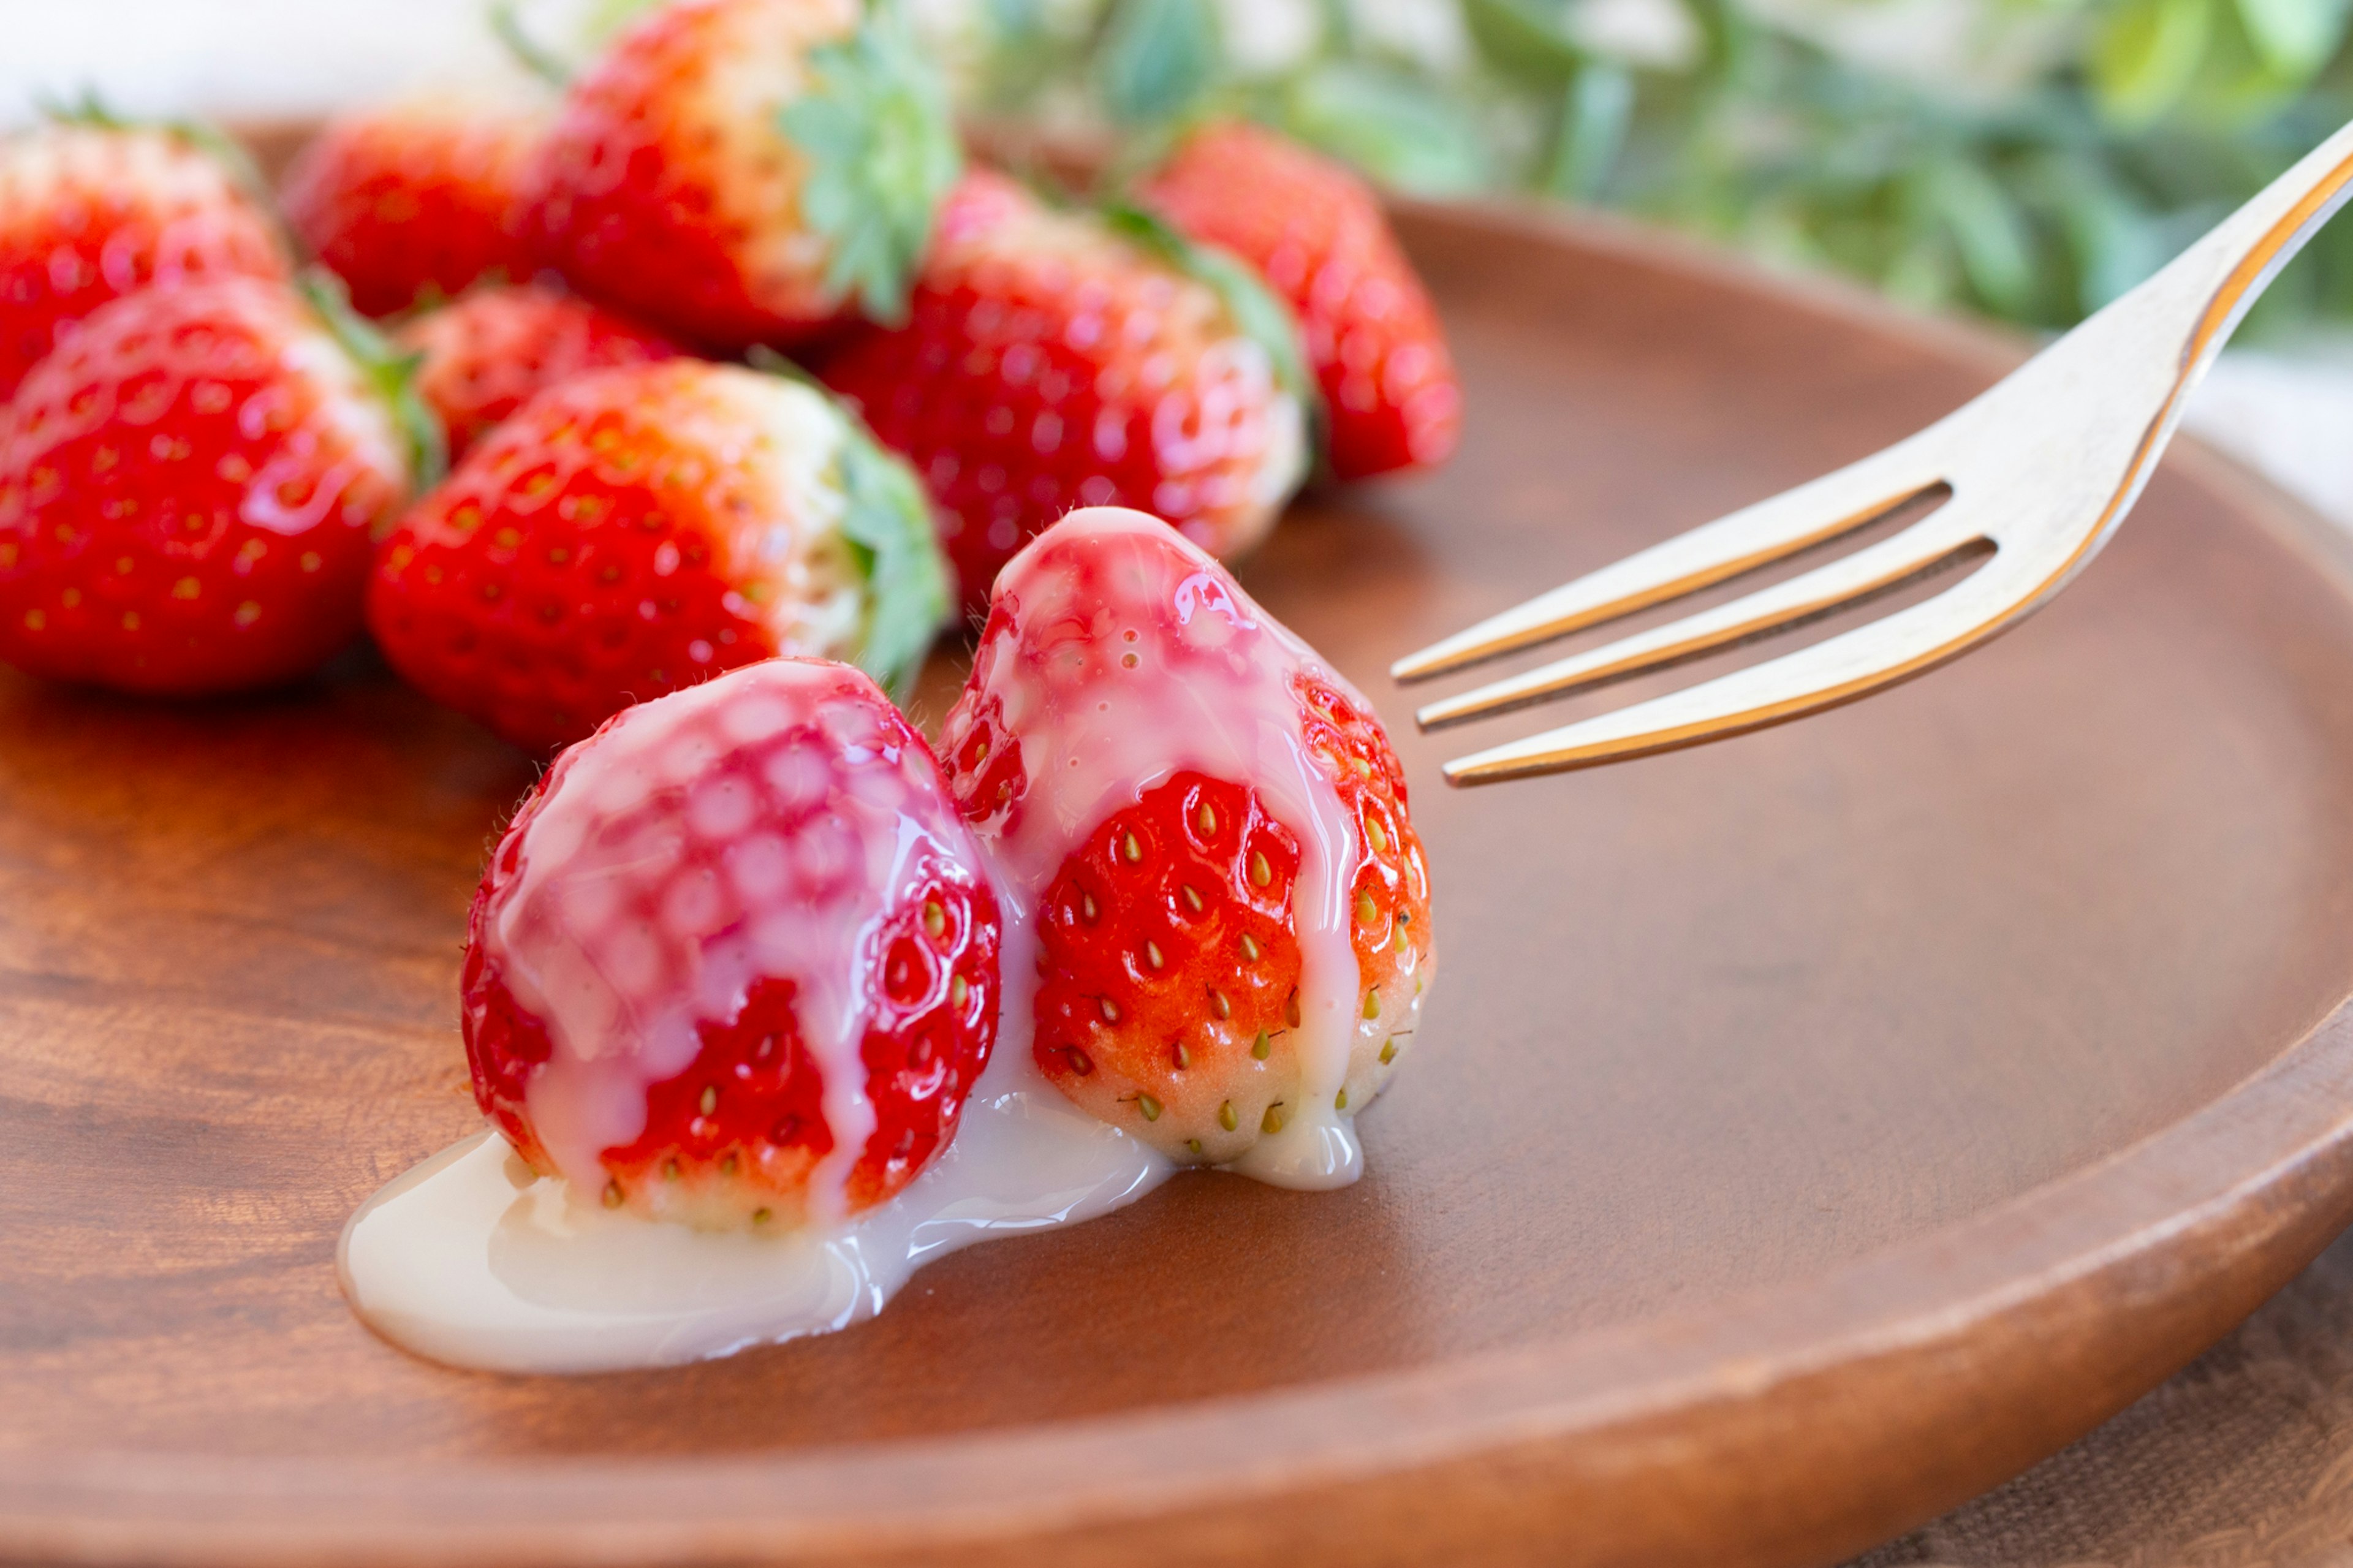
(1807, 1131)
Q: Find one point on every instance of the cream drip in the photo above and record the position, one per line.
(1175, 669)
(643, 814)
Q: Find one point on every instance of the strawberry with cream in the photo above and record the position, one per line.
(737, 971)
(1205, 830)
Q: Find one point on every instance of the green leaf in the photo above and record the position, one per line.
(392, 374)
(1158, 58)
(2147, 54)
(535, 57)
(883, 151)
(1403, 131)
(889, 518)
(1261, 316)
(1595, 110)
(1527, 39)
(2295, 37)
(1996, 254)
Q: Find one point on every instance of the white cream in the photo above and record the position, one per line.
(472, 1259)
(1199, 682)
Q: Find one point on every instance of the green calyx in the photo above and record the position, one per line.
(391, 375)
(887, 522)
(505, 20)
(91, 111)
(1257, 310)
(881, 142)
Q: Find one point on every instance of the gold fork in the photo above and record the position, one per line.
(2033, 477)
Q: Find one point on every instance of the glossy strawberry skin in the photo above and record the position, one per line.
(736, 1134)
(485, 354)
(88, 214)
(666, 187)
(1316, 234)
(1171, 960)
(415, 203)
(625, 534)
(187, 492)
(1199, 875)
(1046, 365)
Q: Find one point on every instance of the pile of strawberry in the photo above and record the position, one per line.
(212, 475)
(219, 466)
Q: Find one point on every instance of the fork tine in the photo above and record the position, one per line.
(1755, 536)
(1853, 665)
(1918, 549)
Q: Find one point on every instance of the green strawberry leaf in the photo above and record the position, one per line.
(392, 374)
(882, 151)
(887, 522)
(889, 519)
(91, 109)
(505, 19)
(1257, 310)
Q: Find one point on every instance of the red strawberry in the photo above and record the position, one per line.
(89, 211)
(187, 488)
(1232, 908)
(737, 960)
(737, 171)
(485, 354)
(1051, 361)
(634, 531)
(415, 201)
(1315, 232)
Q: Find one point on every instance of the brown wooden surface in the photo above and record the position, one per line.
(1806, 1132)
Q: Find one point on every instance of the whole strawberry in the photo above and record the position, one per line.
(91, 210)
(1316, 234)
(1052, 360)
(747, 171)
(737, 960)
(415, 201)
(483, 356)
(187, 488)
(631, 531)
(1210, 831)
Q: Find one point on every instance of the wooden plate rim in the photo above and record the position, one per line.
(2178, 1236)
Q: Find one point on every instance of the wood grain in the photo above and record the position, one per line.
(1806, 1132)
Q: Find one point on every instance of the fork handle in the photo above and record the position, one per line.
(2246, 250)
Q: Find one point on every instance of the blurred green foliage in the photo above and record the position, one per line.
(2110, 133)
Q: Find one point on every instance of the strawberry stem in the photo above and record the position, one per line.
(506, 25)
(1262, 315)
(392, 374)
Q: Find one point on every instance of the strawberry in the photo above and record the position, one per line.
(1316, 234)
(483, 356)
(188, 484)
(633, 531)
(91, 210)
(1053, 359)
(415, 201)
(1211, 831)
(736, 958)
(747, 171)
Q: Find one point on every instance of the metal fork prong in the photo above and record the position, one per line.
(1887, 565)
(1755, 536)
(1840, 669)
